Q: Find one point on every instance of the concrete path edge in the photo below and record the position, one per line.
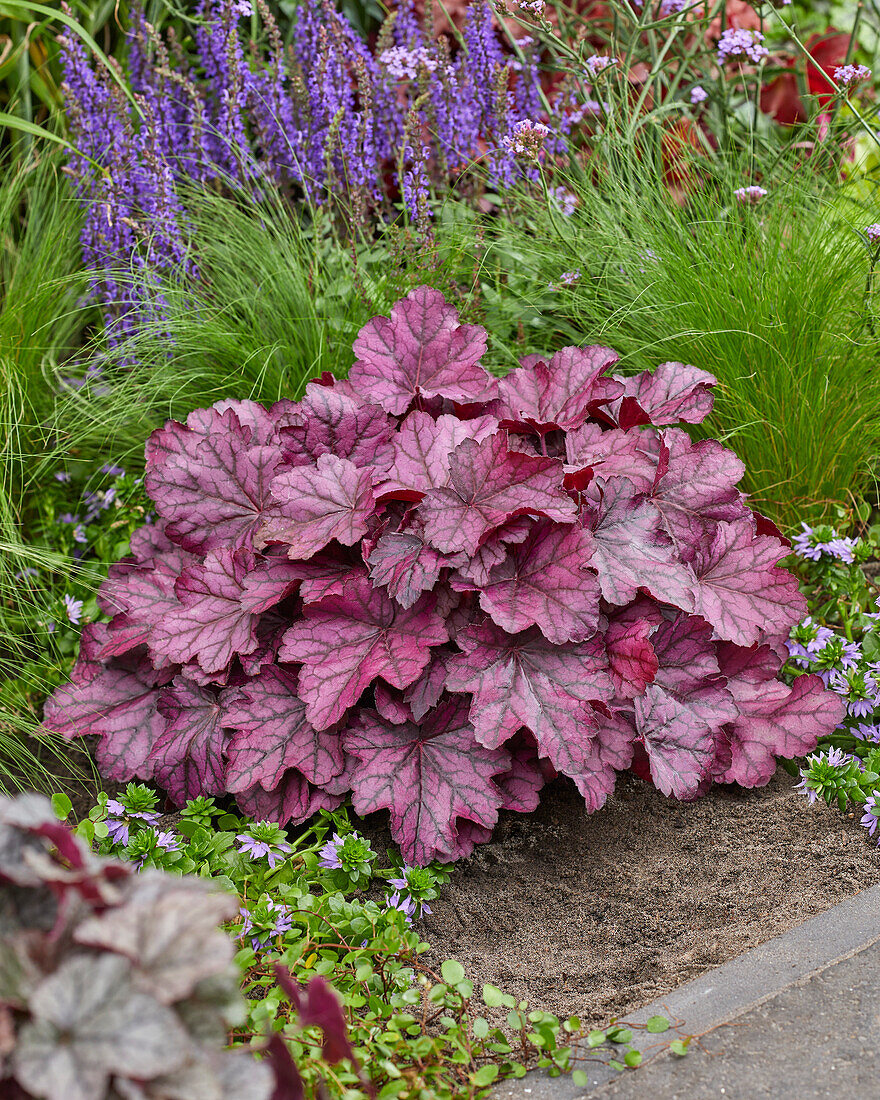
(722, 994)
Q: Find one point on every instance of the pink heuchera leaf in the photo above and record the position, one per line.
(330, 421)
(541, 397)
(680, 747)
(421, 351)
(189, 754)
(293, 800)
(217, 614)
(610, 751)
(210, 488)
(489, 485)
(345, 642)
(673, 392)
(427, 776)
(774, 720)
(272, 734)
(404, 564)
(314, 504)
(117, 706)
(422, 449)
(697, 489)
(611, 453)
(630, 551)
(472, 573)
(524, 680)
(740, 589)
(521, 784)
(542, 582)
(632, 661)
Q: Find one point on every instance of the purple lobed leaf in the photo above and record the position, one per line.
(489, 485)
(189, 753)
(427, 776)
(345, 642)
(541, 397)
(421, 351)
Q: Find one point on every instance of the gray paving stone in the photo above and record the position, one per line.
(805, 958)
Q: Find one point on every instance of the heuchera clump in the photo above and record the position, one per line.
(112, 984)
(434, 588)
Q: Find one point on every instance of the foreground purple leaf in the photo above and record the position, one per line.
(293, 801)
(542, 397)
(673, 392)
(741, 590)
(489, 485)
(345, 642)
(422, 449)
(427, 776)
(631, 551)
(272, 735)
(330, 422)
(543, 582)
(313, 505)
(404, 564)
(420, 351)
(189, 754)
(612, 453)
(118, 707)
(211, 489)
(525, 680)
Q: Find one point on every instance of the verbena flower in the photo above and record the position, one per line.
(847, 75)
(750, 195)
(28, 571)
(599, 63)
(113, 471)
(872, 232)
(569, 278)
(736, 42)
(62, 476)
(673, 7)
(526, 139)
(404, 64)
(699, 94)
(534, 7)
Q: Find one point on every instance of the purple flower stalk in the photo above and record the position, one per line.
(749, 196)
(738, 44)
(872, 232)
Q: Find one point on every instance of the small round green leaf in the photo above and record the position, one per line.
(633, 1058)
(485, 1075)
(657, 1024)
(452, 971)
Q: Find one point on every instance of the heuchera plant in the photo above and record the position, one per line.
(113, 984)
(434, 588)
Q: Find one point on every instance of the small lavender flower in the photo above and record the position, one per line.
(847, 75)
(871, 816)
(113, 471)
(872, 232)
(28, 571)
(404, 64)
(599, 63)
(62, 476)
(330, 854)
(404, 905)
(739, 43)
(73, 608)
(534, 7)
(673, 7)
(79, 534)
(272, 918)
(118, 825)
(698, 94)
(526, 139)
(569, 278)
(868, 732)
(842, 549)
(749, 196)
(264, 839)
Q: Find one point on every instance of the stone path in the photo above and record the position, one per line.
(797, 1018)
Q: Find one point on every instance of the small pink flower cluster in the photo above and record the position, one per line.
(749, 196)
(526, 139)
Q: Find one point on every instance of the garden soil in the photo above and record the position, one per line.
(596, 915)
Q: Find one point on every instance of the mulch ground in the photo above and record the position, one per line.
(598, 915)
